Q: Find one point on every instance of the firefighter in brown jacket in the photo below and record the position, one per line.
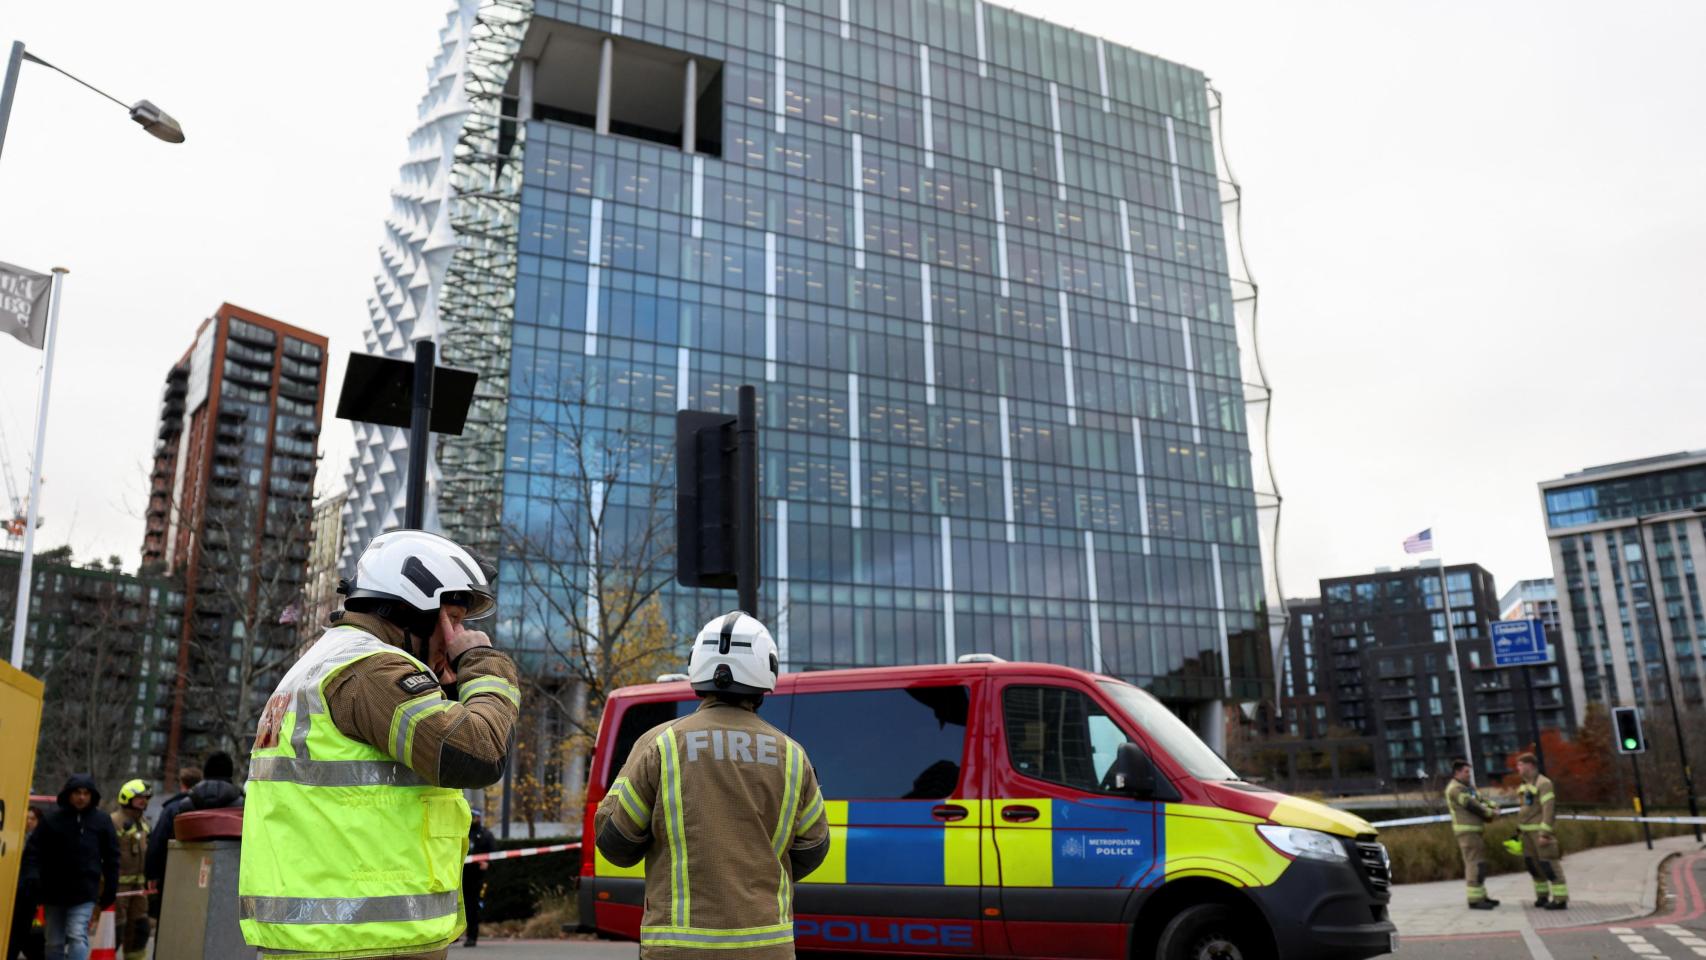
(451, 724)
(1540, 852)
(1470, 814)
(132, 905)
(722, 807)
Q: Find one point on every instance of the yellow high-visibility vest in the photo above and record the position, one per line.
(347, 852)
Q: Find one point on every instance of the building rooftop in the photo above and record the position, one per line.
(1662, 460)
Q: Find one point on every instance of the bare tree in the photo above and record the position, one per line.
(250, 553)
(589, 567)
(89, 667)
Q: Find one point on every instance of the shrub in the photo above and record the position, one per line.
(517, 889)
(1428, 852)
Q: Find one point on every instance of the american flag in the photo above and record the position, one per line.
(1420, 543)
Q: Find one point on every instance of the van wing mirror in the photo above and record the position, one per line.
(1135, 775)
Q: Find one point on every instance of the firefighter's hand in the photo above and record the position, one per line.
(456, 640)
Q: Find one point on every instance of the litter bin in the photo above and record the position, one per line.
(198, 908)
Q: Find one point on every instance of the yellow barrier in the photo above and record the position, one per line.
(20, 721)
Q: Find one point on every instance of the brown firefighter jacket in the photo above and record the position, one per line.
(726, 812)
(464, 745)
(1539, 802)
(1470, 813)
(132, 849)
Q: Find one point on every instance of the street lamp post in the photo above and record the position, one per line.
(1664, 661)
(154, 120)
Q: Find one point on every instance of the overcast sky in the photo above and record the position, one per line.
(1478, 229)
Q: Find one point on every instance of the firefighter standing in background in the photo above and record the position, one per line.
(131, 910)
(1470, 815)
(356, 827)
(1540, 851)
(722, 807)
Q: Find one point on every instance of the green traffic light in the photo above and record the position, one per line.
(1629, 743)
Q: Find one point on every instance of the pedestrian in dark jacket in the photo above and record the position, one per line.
(215, 790)
(75, 851)
(480, 840)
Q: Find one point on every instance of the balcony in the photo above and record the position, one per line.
(307, 393)
(252, 334)
(248, 355)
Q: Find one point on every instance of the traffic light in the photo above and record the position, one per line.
(1630, 737)
(716, 499)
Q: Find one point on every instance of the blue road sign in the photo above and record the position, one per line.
(1518, 643)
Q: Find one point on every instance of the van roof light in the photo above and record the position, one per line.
(671, 677)
(979, 658)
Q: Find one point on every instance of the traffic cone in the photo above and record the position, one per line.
(105, 944)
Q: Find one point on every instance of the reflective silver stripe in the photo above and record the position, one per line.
(409, 906)
(779, 932)
(299, 727)
(497, 685)
(334, 773)
(407, 721)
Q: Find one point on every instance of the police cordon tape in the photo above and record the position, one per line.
(1446, 818)
(523, 852)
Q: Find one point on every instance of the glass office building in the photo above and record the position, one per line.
(1626, 540)
(975, 266)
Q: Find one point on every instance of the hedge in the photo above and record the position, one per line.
(514, 887)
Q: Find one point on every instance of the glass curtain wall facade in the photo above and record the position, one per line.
(1626, 542)
(974, 263)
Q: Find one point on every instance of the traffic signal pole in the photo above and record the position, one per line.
(1534, 718)
(1641, 799)
(746, 499)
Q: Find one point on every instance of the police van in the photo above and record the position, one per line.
(999, 809)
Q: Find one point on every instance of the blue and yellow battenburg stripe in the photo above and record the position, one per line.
(1102, 843)
(1093, 843)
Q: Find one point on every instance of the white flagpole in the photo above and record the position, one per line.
(1456, 665)
(20, 622)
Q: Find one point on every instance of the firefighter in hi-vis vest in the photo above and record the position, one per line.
(355, 827)
(1540, 852)
(723, 808)
(1470, 815)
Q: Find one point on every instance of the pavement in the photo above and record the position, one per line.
(1626, 903)
(1606, 884)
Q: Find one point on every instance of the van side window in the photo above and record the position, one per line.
(1061, 736)
(884, 744)
(636, 720)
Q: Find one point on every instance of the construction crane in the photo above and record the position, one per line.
(17, 520)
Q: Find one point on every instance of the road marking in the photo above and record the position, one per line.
(1686, 937)
(1536, 949)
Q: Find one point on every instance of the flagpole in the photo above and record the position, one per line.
(1456, 665)
(20, 622)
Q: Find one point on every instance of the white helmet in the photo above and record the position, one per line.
(425, 571)
(733, 654)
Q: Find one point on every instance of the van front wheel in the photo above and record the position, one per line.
(1209, 931)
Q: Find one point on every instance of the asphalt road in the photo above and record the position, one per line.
(1677, 931)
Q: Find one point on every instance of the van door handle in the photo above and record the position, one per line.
(1019, 814)
(948, 812)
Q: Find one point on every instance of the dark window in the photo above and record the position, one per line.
(1061, 736)
(884, 744)
(636, 720)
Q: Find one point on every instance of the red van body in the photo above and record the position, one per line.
(968, 820)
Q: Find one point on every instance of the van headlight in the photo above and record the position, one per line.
(1307, 844)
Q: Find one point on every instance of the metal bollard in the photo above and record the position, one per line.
(198, 906)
